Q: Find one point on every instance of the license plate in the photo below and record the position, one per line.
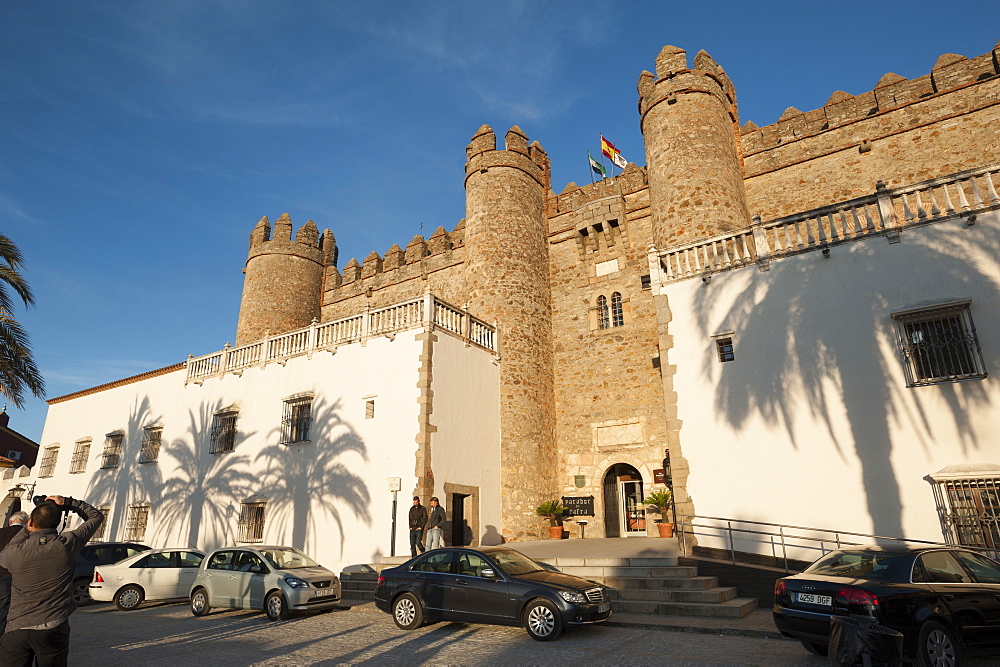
(811, 598)
(322, 593)
(601, 608)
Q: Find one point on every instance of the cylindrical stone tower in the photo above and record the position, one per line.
(506, 240)
(690, 125)
(284, 280)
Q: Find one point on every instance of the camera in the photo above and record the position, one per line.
(40, 500)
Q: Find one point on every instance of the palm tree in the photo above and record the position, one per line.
(17, 369)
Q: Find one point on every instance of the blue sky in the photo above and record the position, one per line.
(141, 141)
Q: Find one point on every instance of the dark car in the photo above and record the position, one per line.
(92, 555)
(944, 601)
(489, 585)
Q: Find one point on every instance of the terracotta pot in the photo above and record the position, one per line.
(666, 529)
(555, 532)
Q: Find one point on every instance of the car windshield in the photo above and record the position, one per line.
(863, 564)
(286, 558)
(513, 563)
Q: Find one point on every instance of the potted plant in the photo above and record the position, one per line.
(661, 500)
(553, 511)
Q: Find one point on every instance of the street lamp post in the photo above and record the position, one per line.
(19, 491)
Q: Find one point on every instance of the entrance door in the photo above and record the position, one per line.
(624, 512)
(461, 534)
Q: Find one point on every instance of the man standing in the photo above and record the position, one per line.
(17, 521)
(41, 562)
(435, 524)
(418, 520)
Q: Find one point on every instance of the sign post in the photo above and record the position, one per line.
(395, 484)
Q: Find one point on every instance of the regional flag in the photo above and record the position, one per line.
(612, 153)
(596, 166)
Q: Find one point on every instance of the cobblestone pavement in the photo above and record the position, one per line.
(160, 634)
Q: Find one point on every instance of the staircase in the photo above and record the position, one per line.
(646, 586)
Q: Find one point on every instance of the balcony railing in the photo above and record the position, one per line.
(427, 311)
(884, 213)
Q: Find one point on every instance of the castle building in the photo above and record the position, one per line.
(794, 324)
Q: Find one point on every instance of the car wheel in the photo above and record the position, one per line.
(542, 620)
(129, 597)
(814, 648)
(81, 596)
(199, 602)
(407, 613)
(937, 646)
(275, 606)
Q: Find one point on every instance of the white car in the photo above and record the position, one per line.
(160, 574)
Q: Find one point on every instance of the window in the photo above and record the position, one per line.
(190, 559)
(939, 345)
(251, 523)
(724, 347)
(113, 443)
(81, 454)
(370, 408)
(99, 535)
(224, 431)
(436, 561)
(161, 559)
(151, 438)
(135, 523)
(48, 464)
(617, 316)
(968, 505)
(603, 318)
(296, 420)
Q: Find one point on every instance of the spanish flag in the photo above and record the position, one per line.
(612, 153)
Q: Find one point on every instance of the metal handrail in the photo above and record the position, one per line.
(687, 523)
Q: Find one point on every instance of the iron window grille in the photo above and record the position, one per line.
(370, 408)
(969, 509)
(296, 420)
(151, 438)
(135, 523)
(81, 453)
(939, 345)
(603, 316)
(48, 464)
(251, 523)
(224, 432)
(113, 443)
(98, 536)
(724, 347)
(617, 314)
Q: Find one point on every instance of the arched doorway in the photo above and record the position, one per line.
(624, 513)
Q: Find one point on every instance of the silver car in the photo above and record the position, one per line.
(278, 580)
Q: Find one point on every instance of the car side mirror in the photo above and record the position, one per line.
(489, 573)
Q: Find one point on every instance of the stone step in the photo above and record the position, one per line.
(609, 562)
(591, 571)
(735, 608)
(719, 594)
(637, 583)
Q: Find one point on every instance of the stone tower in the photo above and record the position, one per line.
(284, 279)
(690, 126)
(508, 282)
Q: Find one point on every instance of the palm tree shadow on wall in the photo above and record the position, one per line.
(788, 355)
(130, 481)
(204, 489)
(304, 481)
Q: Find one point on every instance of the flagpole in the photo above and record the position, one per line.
(590, 168)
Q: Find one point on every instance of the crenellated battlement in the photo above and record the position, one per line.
(573, 196)
(950, 73)
(308, 243)
(482, 155)
(674, 77)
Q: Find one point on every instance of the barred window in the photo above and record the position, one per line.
(135, 523)
(617, 315)
(81, 454)
(113, 443)
(296, 420)
(251, 523)
(724, 348)
(370, 408)
(939, 345)
(603, 316)
(48, 464)
(99, 535)
(224, 431)
(968, 502)
(150, 444)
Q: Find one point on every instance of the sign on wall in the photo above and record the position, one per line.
(578, 505)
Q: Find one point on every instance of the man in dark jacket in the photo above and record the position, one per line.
(16, 525)
(417, 520)
(435, 525)
(41, 563)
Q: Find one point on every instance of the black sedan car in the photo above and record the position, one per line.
(944, 601)
(489, 585)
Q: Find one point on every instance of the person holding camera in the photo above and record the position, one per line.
(41, 562)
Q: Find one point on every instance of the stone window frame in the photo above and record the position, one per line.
(725, 345)
(252, 521)
(610, 309)
(47, 466)
(81, 456)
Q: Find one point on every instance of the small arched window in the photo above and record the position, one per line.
(603, 320)
(617, 318)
